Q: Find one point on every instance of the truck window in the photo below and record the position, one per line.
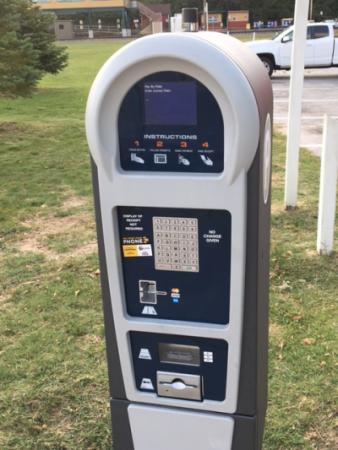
(335, 32)
(288, 37)
(318, 32)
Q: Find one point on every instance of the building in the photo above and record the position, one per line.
(64, 30)
(106, 18)
(238, 20)
(165, 10)
(215, 21)
(101, 16)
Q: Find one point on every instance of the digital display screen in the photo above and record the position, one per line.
(187, 355)
(170, 103)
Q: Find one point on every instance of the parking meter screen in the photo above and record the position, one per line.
(171, 122)
(170, 103)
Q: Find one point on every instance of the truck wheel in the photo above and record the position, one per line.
(268, 64)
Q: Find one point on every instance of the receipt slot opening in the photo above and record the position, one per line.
(179, 130)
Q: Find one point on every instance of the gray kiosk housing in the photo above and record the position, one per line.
(179, 130)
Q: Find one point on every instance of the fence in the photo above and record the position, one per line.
(328, 187)
(99, 32)
(109, 31)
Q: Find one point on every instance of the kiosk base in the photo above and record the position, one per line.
(157, 428)
(141, 427)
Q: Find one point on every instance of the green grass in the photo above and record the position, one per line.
(53, 377)
(259, 35)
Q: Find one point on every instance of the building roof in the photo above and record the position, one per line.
(78, 4)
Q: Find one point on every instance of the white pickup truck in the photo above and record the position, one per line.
(321, 48)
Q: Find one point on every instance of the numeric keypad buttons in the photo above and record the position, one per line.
(176, 244)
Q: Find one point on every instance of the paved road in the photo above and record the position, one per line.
(320, 97)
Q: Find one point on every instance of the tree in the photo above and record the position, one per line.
(328, 8)
(27, 47)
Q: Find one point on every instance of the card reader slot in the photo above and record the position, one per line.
(179, 385)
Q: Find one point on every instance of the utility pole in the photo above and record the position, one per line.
(295, 103)
(206, 15)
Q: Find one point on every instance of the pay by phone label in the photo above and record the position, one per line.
(132, 251)
(136, 246)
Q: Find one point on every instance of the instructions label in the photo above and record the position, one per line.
(212, 237)
(133, 222)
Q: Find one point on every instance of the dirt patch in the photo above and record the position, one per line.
(277, 208)
(74, 202)
(275, 330)
(4, 297)
(60, 424)
(89, 340)
(327, 440)
(60, 237)
(280, 127)
(9, 127)
(54, 225)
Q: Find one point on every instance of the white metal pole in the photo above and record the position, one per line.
(328, 187)
(311, 9)
(295, 103)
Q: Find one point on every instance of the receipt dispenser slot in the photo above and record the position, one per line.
(179, 385)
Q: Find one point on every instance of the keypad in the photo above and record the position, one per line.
(176, 244)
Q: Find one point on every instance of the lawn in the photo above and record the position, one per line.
(53, 377)
(257, 35)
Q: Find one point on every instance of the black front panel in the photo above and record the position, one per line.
(211, 365)
(170, 122)
(176, 263)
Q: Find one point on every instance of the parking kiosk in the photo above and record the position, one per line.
(179, 130)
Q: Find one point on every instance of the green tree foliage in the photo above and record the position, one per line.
(259, 9)
(329, 8)
(27, 48)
